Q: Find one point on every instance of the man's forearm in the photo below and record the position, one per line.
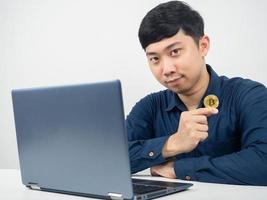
(146, 153)
(247, 166)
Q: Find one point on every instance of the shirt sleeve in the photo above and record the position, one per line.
(144, 148)
(247, 166)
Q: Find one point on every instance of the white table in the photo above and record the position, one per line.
(11, 188)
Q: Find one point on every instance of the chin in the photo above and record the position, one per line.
(179, 90)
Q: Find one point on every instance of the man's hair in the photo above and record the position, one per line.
(166, 19)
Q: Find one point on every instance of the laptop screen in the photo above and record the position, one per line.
(73, 138)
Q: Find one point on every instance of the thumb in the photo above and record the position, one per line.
(205, 111)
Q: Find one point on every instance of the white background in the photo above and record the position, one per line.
(57, 42)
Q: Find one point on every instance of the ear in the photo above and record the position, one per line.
(204, 45)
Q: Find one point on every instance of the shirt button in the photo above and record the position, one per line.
(151, 154)
(188, 178)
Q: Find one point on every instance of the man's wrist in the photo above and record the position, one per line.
(171, 148)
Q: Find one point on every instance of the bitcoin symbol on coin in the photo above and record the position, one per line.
(211, 101)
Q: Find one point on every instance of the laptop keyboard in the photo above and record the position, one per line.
(143, 189)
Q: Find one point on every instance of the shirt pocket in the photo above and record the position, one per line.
(219, 148)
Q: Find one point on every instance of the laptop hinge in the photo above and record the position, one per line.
(34, 186)
(115, 196)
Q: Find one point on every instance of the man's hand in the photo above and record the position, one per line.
(165, 170)
(193, 128)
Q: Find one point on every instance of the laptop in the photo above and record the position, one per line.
(72, 139)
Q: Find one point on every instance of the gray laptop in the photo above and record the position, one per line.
(72, 139)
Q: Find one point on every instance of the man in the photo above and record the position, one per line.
(172, 132)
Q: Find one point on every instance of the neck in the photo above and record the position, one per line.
(193, 98)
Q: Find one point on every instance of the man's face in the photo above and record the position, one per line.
(178, 62)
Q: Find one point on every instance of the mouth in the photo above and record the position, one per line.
(173, 80)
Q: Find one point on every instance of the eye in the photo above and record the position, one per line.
(153, 60)
(175, 52)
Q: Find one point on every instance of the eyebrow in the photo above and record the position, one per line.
(166, 48)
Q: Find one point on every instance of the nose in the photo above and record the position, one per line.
(168, 67)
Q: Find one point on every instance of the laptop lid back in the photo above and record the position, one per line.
(73, 139)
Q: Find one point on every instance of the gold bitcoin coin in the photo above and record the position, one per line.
(211, 101)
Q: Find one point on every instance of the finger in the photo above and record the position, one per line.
(205, 111)
(202, 127)
(153, 171)
(202, 135)
(202, 119)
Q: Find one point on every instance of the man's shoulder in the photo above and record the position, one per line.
(156, 97)
(151, 103)
(243, 90)
(158, 94)
(240, 84)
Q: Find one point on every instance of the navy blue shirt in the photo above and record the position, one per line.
(236, 149)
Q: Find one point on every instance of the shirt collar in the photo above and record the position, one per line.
(173, 100)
